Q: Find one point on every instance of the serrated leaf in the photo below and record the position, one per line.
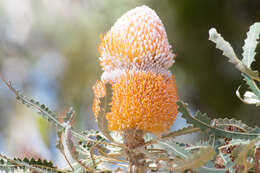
(228, 51)
(199, 122)
(9, 165)
(39, 162)
(222, 123)
(41, 109)
(182, 107)
(250, 44)
(105, 107)
(224, 46)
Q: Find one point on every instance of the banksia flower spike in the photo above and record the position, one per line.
(135, 57)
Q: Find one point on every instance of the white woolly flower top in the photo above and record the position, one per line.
(138, 41)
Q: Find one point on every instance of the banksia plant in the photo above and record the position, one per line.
(135, 55)
(136, 103)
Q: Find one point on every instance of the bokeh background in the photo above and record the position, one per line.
(48, 48)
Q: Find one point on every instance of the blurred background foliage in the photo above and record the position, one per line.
(48, 48)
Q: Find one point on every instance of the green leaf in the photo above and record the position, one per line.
(228, 51)
(225, 122)
(250, 44)
(43, 110)
(201, 121)
(28, 165)
(39, 162)
(224, 46)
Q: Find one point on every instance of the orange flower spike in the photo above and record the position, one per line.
(135, 56)
(143, 101)
(137, 39)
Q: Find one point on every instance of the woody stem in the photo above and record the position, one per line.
(132, 139)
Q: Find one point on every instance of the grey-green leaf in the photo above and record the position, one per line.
(224, 46)
(228, 51)
(250, 44)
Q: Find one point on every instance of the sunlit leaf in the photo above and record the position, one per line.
(228, 51)
(250, 44)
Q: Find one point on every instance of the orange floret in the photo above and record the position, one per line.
(143, 101)
(138, 39)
